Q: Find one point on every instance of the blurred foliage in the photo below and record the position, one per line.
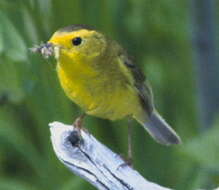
(157, 34)
(207, 142)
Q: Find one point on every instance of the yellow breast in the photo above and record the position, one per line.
(98, 93)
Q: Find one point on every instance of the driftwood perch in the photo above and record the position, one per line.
(91, 160)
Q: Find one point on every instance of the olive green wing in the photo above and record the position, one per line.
(140, 83)
(157, 127)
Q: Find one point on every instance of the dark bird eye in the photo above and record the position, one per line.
(76, 41)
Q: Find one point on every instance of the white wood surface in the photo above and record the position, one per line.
(94, 162)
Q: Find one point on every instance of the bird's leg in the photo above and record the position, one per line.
(128, 161)
(79, 121)
(129, 142)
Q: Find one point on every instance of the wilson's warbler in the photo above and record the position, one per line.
(97, 74)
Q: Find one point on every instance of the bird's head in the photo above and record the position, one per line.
(77, 42)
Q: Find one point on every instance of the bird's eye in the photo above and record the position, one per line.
(76, 41)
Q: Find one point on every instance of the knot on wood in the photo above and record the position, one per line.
(75, 138)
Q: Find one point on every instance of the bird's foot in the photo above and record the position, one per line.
(78, 123)
(127, 162)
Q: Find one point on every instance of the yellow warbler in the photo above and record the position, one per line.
(97, 74)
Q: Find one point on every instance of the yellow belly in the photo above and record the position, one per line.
(97, 95)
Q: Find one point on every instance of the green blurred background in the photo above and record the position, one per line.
(163, 36)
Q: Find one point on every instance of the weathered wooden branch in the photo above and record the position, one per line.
(88, 158)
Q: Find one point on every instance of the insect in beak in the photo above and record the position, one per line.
(45, 49)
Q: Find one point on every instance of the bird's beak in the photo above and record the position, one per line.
(55, 49)
(48, 49)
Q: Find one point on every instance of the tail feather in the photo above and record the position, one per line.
(160, 130)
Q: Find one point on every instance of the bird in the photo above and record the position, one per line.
(98, 75)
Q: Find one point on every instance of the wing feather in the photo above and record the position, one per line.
(140, 83)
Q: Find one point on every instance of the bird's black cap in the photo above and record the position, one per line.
(75, 27)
